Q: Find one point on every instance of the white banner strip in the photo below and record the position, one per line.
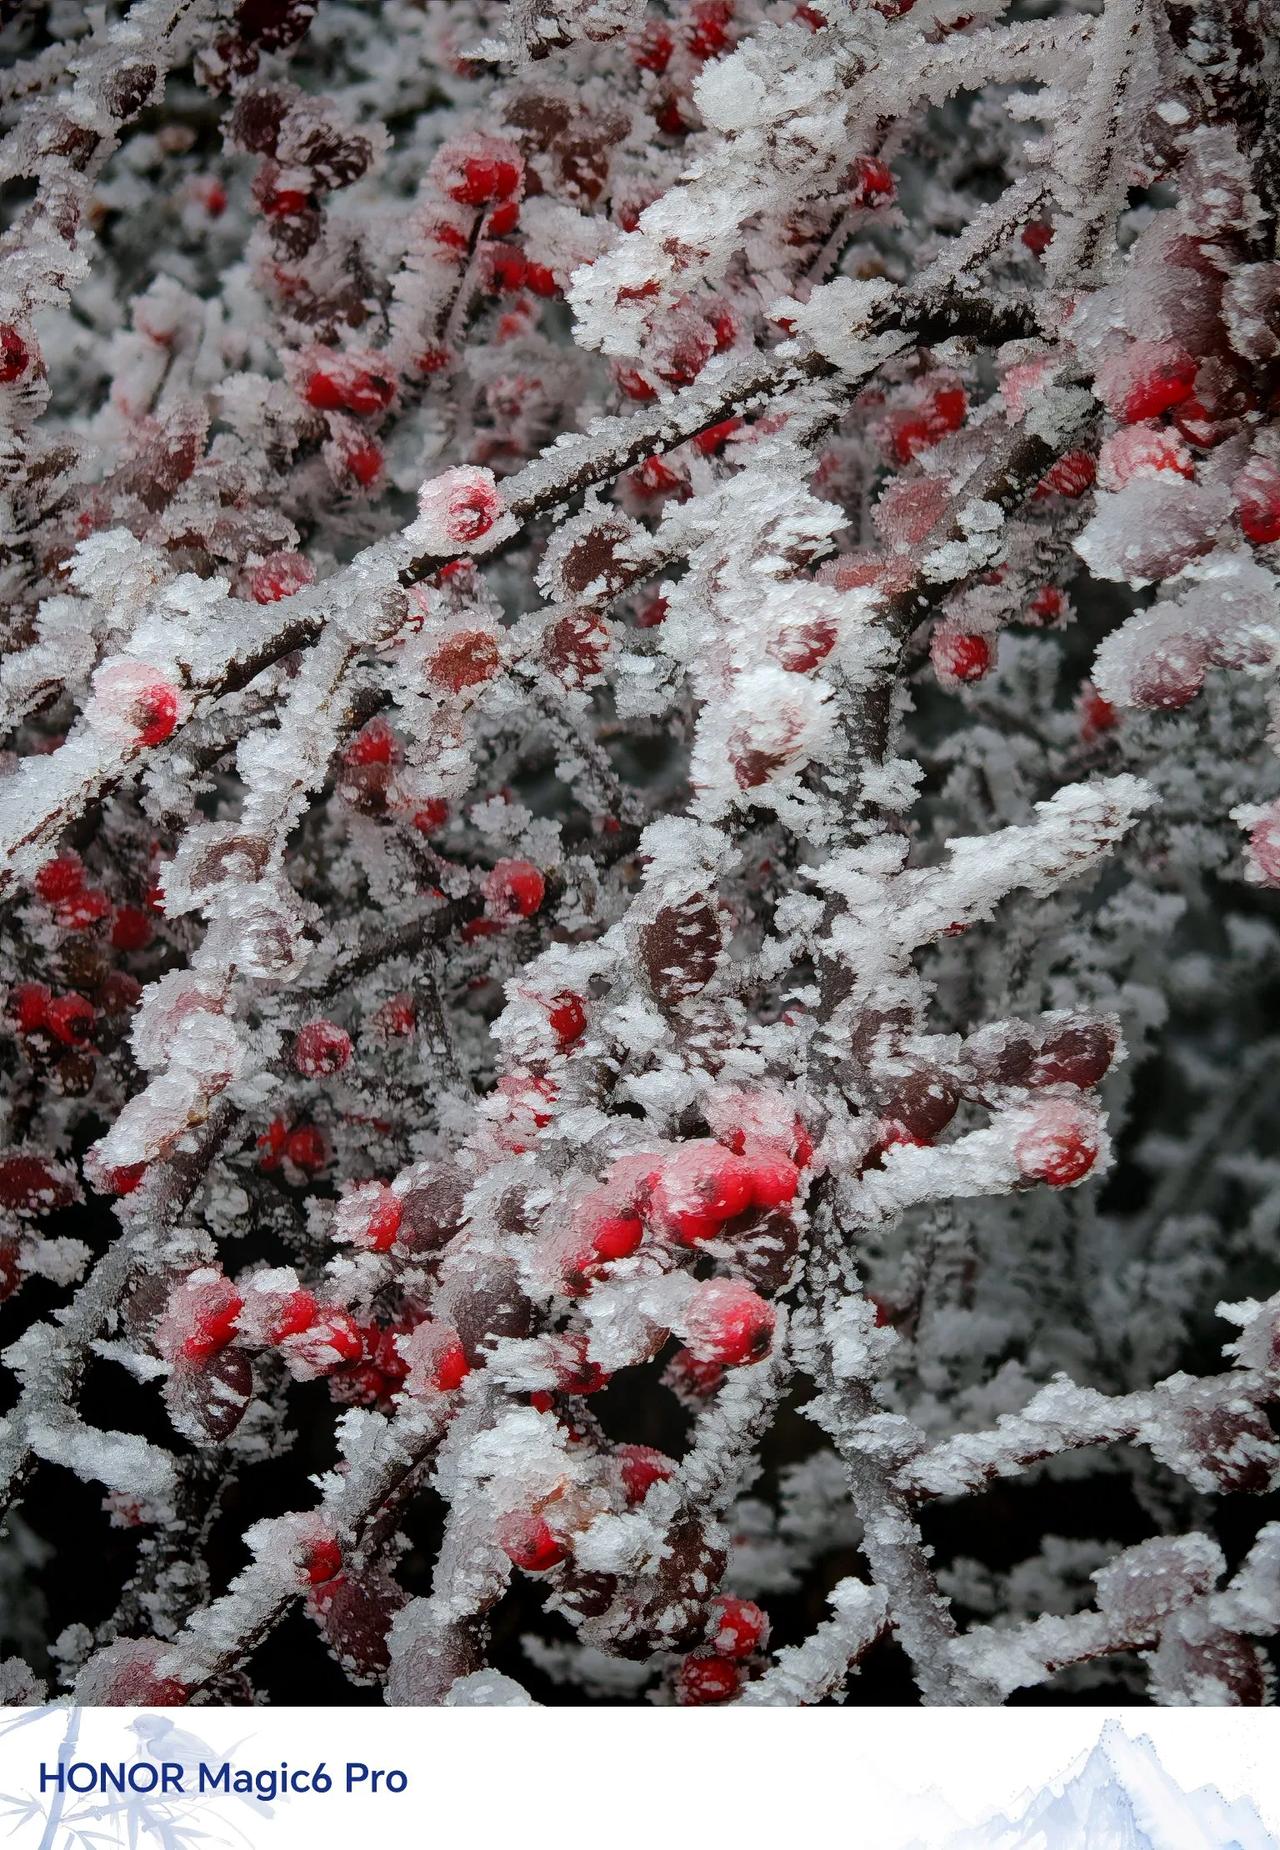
(529, 1778)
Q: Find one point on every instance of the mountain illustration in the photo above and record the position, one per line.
(1119, 1797)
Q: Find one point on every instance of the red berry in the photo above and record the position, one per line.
(15, 355)
(383, 1222)
(1257, 497)
(652, 50)
(397, 1016)
(280, 202)
(567, 1017)
(774, 1182)
(503, 220)
(698, 1189)
(642, 1467)
(869, 181)
(82, 910)
(434, 360)
(1037, 236)
(296, 1312)
(364, 462)
(616, 1236)
(708, 33)
(213, 1320)
(366, 392)
(375, 743)
(70, 1019)
(154, 715)
(10, 1269)
(728, 1323)
(431, 815)
(707, 1679)
(29, 1006)
(124, 1178)
(321, 1560)
(61, 878)
(714, 438)
(531, 1543)
(131, 929)
(1060, 1148)
(323, 391)
(1157, 376)
(540, 280)
(452, 1367)
(959, 656)
(513, 890)
(321, 1048)
(307, 1148)
(480, 179)
(738, 1627)
(1096, 715)
(506, 269)
(471, 513)
(801, 649)
(1264, 847)
(691, 1379)
(1170, 677)
(333, 1340)
(28, 1185)
(272, 1143)
(1047, 604)
(655, 477)
(633, 384)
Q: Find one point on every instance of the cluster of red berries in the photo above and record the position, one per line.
(737, 1630)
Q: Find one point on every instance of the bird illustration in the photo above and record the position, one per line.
(159, 1739)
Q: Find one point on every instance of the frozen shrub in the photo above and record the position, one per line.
(640, 845)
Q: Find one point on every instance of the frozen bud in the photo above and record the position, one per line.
(355, 1615)
(680, 948)
(1076, 1052)
(207, 1398)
